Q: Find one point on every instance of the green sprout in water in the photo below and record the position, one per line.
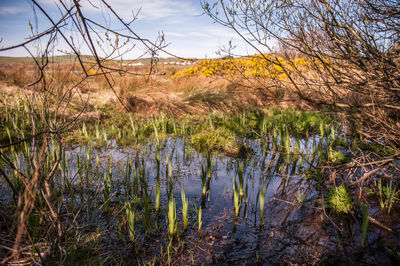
(236, 198)
(130, 216)
(262, 200)
(203, 180)
(106, 190)
(172, 216)
(200, 222)
(240, 171)
(185, 203)
(364, 225)
(157, 201)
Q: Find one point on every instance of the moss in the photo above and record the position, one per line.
(313, 174)
(339, 199)
(374, 147)
(336, 156)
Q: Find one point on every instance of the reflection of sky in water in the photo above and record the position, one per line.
(270, 172)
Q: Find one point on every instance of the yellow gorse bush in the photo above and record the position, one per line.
(252, 66)
(92, 71)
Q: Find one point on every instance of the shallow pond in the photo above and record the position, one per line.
(98, 184)
(294, 227)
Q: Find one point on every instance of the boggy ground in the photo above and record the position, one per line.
(298, 234)
(213, 117)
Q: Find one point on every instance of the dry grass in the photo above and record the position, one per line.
(16, 74)
(159, 93)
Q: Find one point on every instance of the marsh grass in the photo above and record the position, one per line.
(98, 185)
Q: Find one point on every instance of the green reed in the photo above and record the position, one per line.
(157, 196)
(236, 198)
(130, 215)
(240, 172)
(261, 199)
(172, 221)
(200, 218)
(185, 203)
(364, 225)
(106, 190)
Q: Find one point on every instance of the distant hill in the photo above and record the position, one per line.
(52, 59)
(73, 58)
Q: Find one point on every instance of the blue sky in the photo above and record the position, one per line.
(189, 33)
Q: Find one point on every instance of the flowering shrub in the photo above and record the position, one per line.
(251, 66)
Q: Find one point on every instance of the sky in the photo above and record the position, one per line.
(189, 33)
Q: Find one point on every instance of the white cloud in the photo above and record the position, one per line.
(9, 10)
(186, 34)
(198, 34)
(174, 34)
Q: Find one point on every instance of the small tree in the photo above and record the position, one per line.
(51, 102)
(351, 51)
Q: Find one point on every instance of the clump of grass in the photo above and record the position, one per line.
(386, 195)
(131, 84)
(19, 77)
(339, 199)
(215, 140)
